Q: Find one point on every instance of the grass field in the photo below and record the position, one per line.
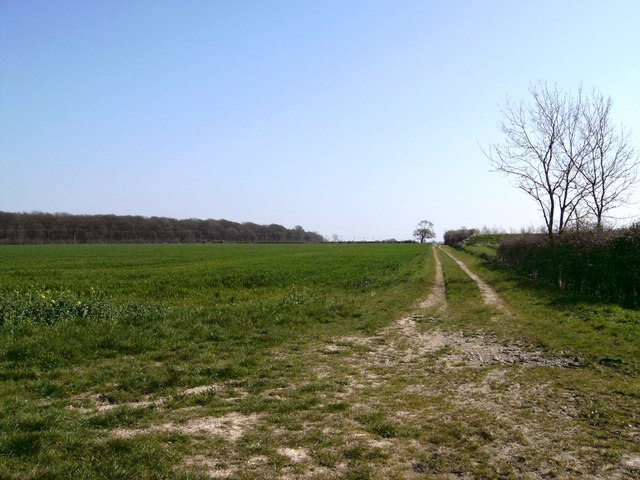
(306, 361)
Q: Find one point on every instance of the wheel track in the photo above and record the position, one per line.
(489, 295)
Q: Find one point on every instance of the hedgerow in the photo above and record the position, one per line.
(602, 264)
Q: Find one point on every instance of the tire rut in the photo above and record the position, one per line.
(423, 374)
(437, 299)
(489, 295)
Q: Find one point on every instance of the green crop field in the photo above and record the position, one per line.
(307, 361)
(85, 328)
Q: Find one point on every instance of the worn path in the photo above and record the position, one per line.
(491, 298)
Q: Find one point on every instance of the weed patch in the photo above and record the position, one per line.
(44, 306)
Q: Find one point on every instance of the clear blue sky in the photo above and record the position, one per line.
(354, 118)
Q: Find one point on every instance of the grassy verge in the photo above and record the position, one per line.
(599, 333)
(483, 245)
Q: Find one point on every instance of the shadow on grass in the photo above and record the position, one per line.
(556, 297)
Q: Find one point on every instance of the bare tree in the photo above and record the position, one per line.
(609, 171)
(530, 154)
(424, 230)
(563, 152)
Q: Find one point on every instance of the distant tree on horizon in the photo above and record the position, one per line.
(423, 231)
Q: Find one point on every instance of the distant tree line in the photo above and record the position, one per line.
(36, 227)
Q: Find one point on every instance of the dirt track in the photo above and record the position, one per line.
(491, 298)
(526, 425)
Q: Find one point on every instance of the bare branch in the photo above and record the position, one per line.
(610, 171)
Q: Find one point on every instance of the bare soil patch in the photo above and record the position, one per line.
(295, 455)
(229, 427)
(91, 403)
(100, 403)
(210, 467)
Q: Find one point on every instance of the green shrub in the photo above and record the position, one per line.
(454, 238)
